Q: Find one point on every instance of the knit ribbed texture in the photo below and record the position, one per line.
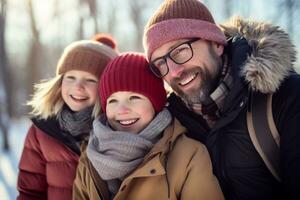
(179, 19)
(85, 55)
(115, 154)
(187, 9)
(130, 72)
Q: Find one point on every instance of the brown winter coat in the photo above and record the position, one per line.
(47, 168)
(177, 167)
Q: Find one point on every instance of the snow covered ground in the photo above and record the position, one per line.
(9, 160)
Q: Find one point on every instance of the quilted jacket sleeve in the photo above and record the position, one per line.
(32, 183)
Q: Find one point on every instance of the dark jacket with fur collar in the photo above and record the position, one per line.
(261, 57)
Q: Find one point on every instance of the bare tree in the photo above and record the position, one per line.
(35, 52)
(136, 9)
(92, 5)
(228, 9)
(5, 102)
(290, 8)
(111, 17)
(80, 31)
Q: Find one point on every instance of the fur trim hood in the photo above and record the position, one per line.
(273, 54)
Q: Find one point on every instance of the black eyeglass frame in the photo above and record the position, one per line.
(166, 56)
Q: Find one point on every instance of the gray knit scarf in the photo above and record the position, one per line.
(115, 154)
(78, 124)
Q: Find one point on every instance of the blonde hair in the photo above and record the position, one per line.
(47, 100)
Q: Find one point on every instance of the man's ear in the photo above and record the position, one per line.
(218, 48)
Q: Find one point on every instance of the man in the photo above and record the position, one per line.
(213, 72)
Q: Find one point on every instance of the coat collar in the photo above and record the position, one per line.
(273, 54)
(51, 128)
(154, 160)
(165, 144)
(153, 164)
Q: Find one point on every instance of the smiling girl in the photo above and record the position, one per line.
(63, 109)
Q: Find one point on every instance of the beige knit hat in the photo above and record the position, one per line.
(85, 55)
(179, 19)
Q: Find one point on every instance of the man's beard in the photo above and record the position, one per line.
(199, 94)
(209, 82)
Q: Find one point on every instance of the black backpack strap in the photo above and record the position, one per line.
(262, 130)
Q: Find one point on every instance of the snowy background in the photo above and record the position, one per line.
(124, 19)
(9, 160)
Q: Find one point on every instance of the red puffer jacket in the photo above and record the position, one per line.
(47, 167)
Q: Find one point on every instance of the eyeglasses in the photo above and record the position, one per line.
(179, 55)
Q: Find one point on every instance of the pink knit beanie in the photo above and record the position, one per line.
(130, 72)
(179, 19)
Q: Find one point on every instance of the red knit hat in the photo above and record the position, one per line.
(130, 72)
(180, 19)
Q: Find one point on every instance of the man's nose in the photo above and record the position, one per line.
(175, 69)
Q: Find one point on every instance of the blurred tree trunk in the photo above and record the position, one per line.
(6, 105)
(228, 9)
(80, 33)
(35, 52)
(4, 131)
(290, 7)
(92, 6)
(112, 17)
(136, 9)
(93, 12)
